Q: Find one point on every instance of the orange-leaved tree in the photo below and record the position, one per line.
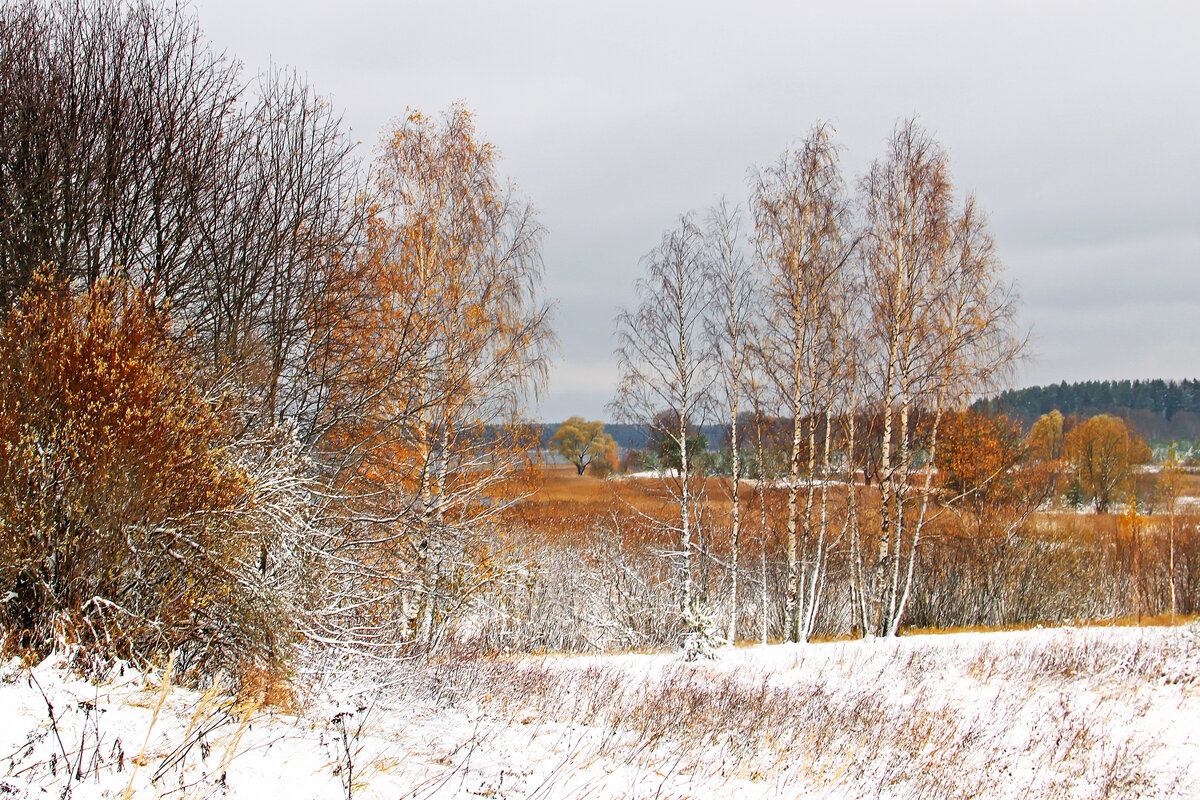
(988, 477)
(976, 453)
(454, 340)
(119, 498)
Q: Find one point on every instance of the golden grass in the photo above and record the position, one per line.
(1133, 621)
(566, 505)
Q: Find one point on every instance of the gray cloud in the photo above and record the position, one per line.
(1075, 124)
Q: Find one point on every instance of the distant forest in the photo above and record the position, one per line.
(1158, 409)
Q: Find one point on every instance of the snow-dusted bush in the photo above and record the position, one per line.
(128, 523)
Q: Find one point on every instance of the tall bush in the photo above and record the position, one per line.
(120, 496)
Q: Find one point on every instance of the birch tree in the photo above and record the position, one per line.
(665, 367)
(733, 281)
(800, 215)
(941, 323)
(455, 341)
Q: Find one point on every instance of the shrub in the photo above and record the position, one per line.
(119, 493)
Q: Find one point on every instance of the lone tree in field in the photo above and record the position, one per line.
(1102, 452)
(582, 443)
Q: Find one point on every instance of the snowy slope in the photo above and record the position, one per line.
(1045, 713)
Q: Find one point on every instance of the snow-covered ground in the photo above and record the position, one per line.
(1047, 713)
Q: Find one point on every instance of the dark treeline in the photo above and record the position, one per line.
(1158, 409)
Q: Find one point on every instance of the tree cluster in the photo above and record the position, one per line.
(863, 319)
(251, 399)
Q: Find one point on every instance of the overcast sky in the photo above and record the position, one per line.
(1076, 124)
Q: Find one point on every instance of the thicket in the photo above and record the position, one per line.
(253, 402)
(128, 508)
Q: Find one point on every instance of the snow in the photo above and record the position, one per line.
(803, 483)
(648, 473)
(1106, 712)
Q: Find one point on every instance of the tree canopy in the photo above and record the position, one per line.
(1102, 452)
(583, 443)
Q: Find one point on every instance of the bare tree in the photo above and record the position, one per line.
(132, 151)
(666, 367)
(758, 393)
(131, 148)
(732, 278)
(113, 130)
(800, 215)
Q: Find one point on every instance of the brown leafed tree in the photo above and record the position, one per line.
(121, 500)
(988, 476)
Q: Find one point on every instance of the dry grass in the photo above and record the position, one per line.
(868, 720)
(603, 552)
(566, 505)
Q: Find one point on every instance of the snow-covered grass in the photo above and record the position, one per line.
(1071, 713)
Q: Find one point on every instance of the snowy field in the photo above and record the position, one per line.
(1070, 713)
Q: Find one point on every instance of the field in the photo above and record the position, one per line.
(1054, 713)
(559, 684)
(1055, 565)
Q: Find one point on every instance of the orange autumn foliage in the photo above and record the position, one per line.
(454, 333)
(975, 453)
(118, 495)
